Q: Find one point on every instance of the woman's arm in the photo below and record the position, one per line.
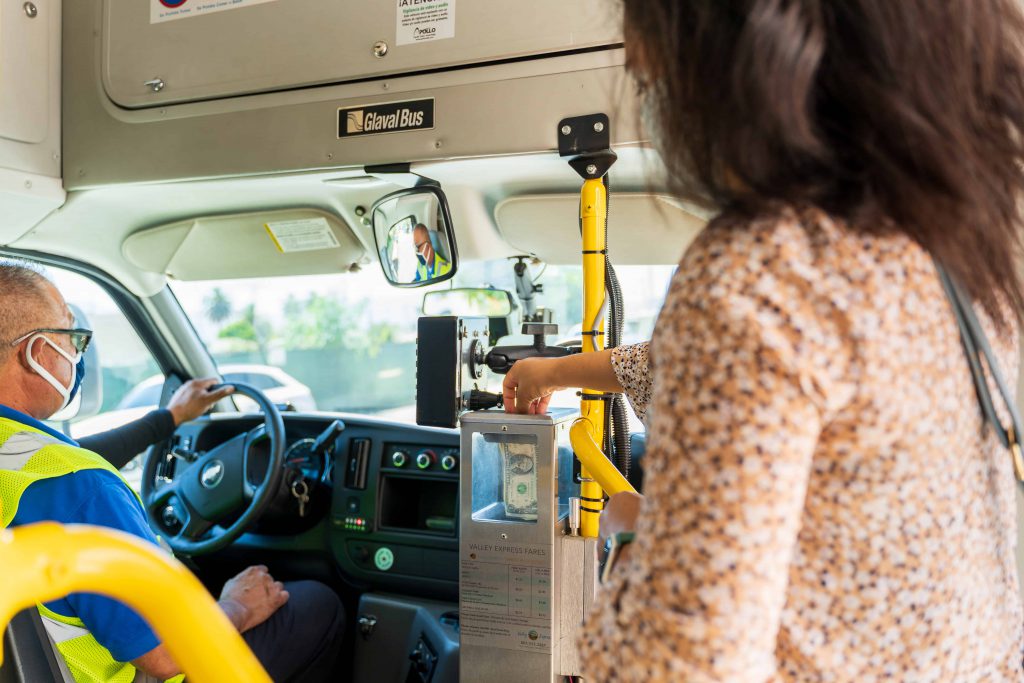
(528, 386)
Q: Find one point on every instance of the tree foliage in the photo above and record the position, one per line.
(251, 330)
(316, 322)
(325, 322)
(217, 306)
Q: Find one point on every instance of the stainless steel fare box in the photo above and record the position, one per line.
(515, 485)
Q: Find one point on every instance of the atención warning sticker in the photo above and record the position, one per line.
(169, 10)
(305, 234)
(420, 21)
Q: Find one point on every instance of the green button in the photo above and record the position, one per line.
(384, 559)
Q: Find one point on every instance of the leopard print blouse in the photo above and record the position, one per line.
(822, 502)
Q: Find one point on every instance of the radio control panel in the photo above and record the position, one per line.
(418, 458)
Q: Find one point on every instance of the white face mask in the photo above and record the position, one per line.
(421, 253)
(64, 391)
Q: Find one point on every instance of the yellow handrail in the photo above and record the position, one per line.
(593, 205)
(46, 561)
(604, 472)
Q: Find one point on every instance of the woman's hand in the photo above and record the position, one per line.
(620, 514)
(528, 386)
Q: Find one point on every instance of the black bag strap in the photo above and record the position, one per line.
(977, 348)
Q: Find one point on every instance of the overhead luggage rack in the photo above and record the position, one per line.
(161, 52)
(281, 86)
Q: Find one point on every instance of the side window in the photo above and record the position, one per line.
(263, 382)
(145, 394)
(259, 380)
(240, 377)
(129, 377)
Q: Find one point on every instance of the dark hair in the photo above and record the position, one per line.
(900, 115)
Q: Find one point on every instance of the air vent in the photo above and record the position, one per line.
(358, 463)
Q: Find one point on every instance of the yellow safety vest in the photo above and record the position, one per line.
(440, 268)
(28, 455)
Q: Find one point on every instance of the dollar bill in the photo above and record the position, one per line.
(519, 469)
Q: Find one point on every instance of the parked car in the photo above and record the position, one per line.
(278, 385)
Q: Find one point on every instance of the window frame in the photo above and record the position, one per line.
(129, 304)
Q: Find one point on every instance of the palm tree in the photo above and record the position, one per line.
(217, 305)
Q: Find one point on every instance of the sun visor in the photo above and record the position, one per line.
(262, 244)
(643, 228)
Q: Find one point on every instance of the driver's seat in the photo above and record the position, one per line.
(29, 656)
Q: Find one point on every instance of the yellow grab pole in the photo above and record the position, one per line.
(46, 561)
(593, 458)
(592, 217)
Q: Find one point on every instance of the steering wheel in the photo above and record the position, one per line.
(214, 486)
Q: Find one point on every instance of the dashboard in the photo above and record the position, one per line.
(382, 496)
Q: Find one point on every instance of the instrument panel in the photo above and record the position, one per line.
(302, 457)
(383, 498)
(386, 495)
(394, 516)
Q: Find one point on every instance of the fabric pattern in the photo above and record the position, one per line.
(632, 367)
(822, 502)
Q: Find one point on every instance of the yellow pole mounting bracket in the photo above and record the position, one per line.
(590, 455)
(46, 561)
(586, 142)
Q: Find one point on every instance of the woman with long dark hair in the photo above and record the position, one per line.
(822, 501)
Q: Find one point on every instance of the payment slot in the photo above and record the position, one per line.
(519, 605)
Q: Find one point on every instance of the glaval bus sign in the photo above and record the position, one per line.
(392, 117)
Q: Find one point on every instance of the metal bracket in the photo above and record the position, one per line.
(399, 174)
(584, 135)
(587, 140)
(367, 624)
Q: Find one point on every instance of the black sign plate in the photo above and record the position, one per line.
(392, 117)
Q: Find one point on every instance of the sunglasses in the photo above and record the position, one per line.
(80, 337)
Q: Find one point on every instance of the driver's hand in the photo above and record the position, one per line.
(251, 597)
(193, 398)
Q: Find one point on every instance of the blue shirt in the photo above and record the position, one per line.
(90, 497)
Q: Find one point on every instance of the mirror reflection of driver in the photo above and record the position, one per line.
(431, 264)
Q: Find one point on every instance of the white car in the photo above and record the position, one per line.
(278, 385)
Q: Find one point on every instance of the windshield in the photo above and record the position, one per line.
(347, 342)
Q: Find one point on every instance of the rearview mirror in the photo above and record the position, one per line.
(414, 236)
(469, 302)
(497, 305)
